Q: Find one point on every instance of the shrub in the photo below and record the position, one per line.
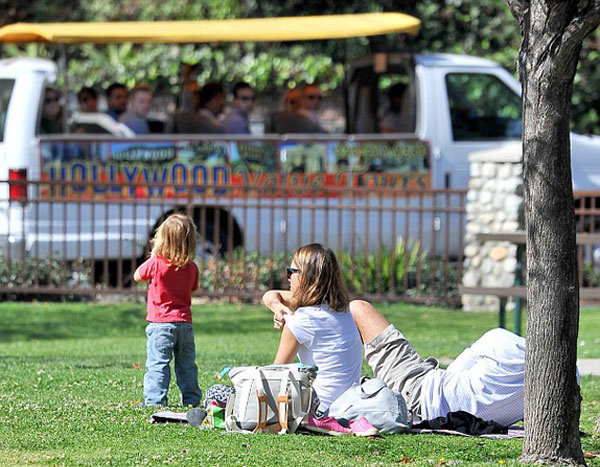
(32, 273)
(406, 270)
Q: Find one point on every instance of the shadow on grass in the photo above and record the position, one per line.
(69, 361)
(31, 322)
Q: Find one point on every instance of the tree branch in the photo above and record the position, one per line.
(580, 26)
(518, 9)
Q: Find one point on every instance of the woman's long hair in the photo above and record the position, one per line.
(320, 279)
(175, 240)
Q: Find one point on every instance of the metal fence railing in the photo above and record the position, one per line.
(587, 220)
(81, 238)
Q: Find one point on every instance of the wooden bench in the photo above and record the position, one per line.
(518, 291)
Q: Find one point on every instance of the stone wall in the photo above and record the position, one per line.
(494, 205)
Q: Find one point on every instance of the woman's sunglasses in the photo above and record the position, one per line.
(291, 272)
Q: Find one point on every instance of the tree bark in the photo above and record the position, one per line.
(553, 33)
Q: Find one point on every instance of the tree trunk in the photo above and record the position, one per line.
(552, 398)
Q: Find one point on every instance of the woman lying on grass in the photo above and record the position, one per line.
(486, 380)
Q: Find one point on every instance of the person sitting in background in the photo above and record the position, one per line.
(211, 102)
(87, 99)
(292, 120)
(292, 100)
(311, 102)
(116, 97)
(51, 122)
(390, 123)
(139, 106)
(276, 120)
(186, 118)
(189, 88)
(236, 120)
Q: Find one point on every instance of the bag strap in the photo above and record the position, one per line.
(262, 402)
(231, 424)
(283, 403)
(297, 413)
(368, 395)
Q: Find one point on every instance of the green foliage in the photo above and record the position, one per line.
(243, 272)
(590, 275)
(484, 28)
(370, 273)
(44, 272)
(586, 92)
(249, 271)
(407, 270)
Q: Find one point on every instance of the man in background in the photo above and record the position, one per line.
(212, 102)
(390, 122)
(139, 106)
(87, 99)
(116, 97)
(294, 118)
(51, 121)
(311, 102)
(236, 120)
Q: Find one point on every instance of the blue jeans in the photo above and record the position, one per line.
(165, 340)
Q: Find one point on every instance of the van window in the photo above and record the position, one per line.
(6, 87)
(482, 108)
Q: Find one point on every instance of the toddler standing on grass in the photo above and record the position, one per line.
(172, 276)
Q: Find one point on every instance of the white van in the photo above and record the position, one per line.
(454, 105)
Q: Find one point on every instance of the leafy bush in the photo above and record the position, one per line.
(407, 270)
(31, 273)
(241, 271)
(590, 275)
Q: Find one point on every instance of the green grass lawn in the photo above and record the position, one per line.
(72, 375)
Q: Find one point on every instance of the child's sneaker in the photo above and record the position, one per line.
(327, 425)
(362, 427)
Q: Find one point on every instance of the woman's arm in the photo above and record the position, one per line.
(288, 347)
(278, 301)
(273, 298)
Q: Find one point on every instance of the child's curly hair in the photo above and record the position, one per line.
(175, 240)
